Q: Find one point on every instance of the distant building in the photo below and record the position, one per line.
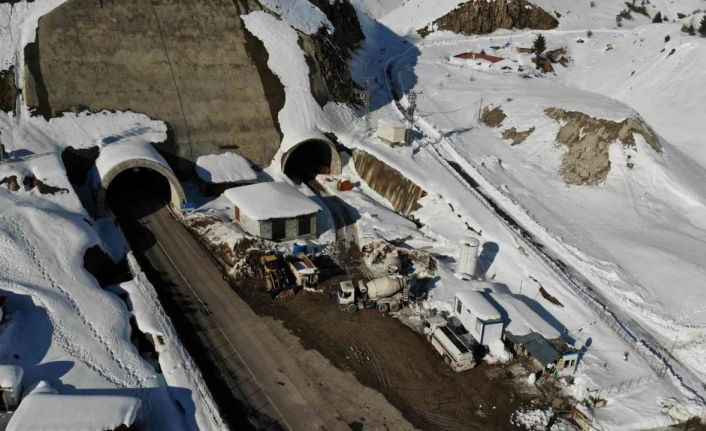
(276, 211)
(480, 318)
(220, 172)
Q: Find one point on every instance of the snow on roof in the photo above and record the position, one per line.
(114, 154)
(225, 168)
(537, 346)
(48, 412)
(11, 376)
(266, 201)
(524, 320)
(478, 304)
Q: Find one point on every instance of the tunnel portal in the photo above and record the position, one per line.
(310, 158)
(138, 191)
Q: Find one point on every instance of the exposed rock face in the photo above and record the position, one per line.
(516, 136)
(588, 139)
(342, 15)
(486, 16)
(327, 54)
(8, 92)
(388, 182)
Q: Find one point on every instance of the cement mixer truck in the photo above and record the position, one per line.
(384, 293)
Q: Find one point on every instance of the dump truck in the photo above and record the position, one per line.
(384, 293)
(275, 276)
(305, 273)
(457, 354)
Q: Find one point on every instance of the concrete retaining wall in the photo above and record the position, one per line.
(190, 63)
(402, 193)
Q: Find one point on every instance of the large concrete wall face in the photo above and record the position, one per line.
(187, 62)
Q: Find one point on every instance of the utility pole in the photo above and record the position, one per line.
(480, 110)
(368, 101)
(411, 110)
(364, 96)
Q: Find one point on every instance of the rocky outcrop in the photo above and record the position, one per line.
(328, 54)
(402, 193)
(516, 136)
(341, 13)
(493, 117)
(486, 16)
(588, 138)
(8, 92)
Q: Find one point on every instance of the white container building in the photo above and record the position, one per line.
(391, 131)
(480, 318)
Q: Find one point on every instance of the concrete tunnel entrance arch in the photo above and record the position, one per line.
(311, 157)
(116, 159)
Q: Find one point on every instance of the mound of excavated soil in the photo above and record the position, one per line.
(482, 17)
(588, 139)
(7, 90)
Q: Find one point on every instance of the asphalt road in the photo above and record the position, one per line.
(248, 358)
(265, 380)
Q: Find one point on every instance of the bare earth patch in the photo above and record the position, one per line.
(493, 117)
(588, 139)
(517, 136)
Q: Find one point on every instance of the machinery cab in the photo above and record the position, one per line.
(346, 293)
(270, 262)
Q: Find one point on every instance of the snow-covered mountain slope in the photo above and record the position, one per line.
(64, 328)
(407, 16)
(639, 233)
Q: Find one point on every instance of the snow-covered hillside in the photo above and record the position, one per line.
(637, 235)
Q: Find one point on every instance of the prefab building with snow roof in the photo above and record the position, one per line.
(276, 211)
(220, 172)
(480, 318)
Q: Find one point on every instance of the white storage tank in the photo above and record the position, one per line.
(468, 255)
(392, 131)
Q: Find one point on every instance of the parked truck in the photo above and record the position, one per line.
(274, 274)
(305, 273)
(384, 293)
(457, 354)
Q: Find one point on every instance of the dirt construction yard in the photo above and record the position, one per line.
(387, 356)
